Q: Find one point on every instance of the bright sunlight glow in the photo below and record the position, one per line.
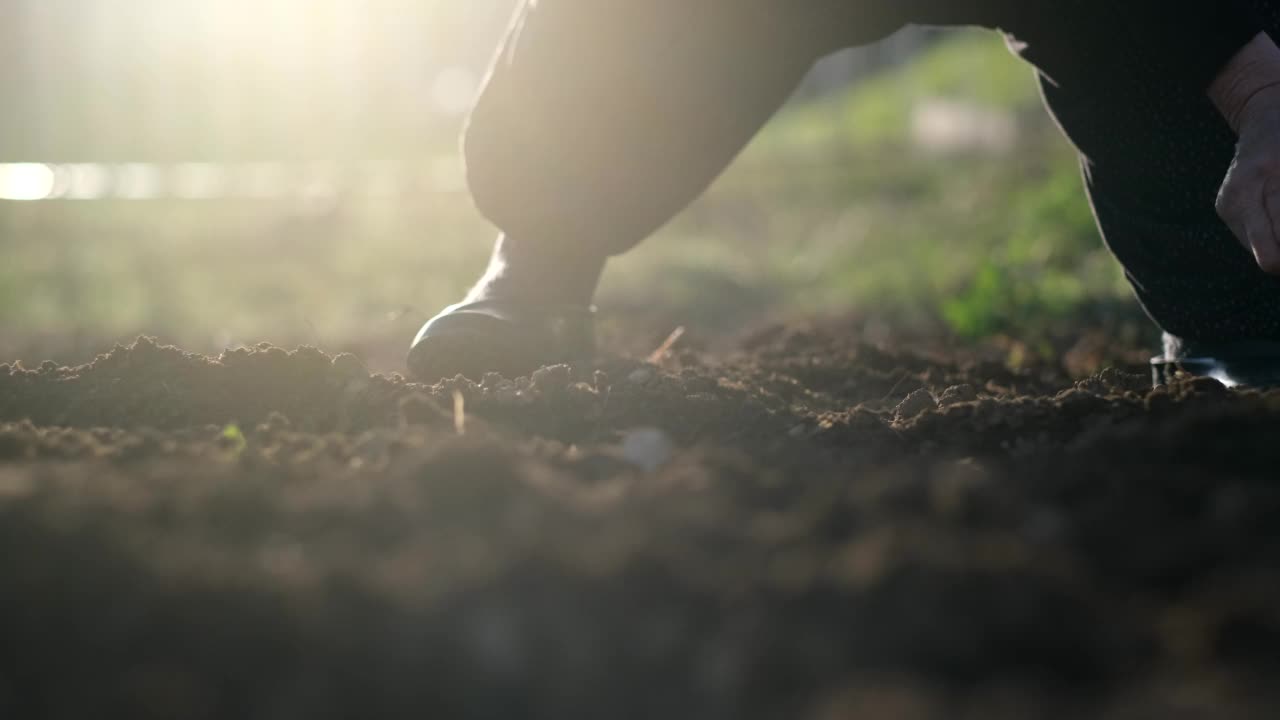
(27, 181)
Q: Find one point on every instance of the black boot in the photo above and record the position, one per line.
(1251, 363)
(502, 336)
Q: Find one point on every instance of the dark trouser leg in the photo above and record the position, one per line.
(602, 119)
(1155, 152)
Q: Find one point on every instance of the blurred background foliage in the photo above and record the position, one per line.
(926, 189)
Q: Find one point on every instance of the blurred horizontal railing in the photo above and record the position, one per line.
(214, 181)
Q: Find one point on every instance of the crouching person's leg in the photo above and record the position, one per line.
(1155, 152)
(600, 120)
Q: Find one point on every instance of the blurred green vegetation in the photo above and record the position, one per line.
(971, 65)
(835, 208)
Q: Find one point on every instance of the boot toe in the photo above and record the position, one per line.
(1243, 364)
(508, 338)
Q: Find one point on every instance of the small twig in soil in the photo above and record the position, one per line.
(665, 347)
(459, 413)
(895, 387)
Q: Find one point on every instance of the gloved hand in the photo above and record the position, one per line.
(1247, 92)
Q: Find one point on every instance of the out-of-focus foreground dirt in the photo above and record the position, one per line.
(804, 528)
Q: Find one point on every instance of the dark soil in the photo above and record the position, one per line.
(805, 528)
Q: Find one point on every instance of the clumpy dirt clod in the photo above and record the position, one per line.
(807, 528)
